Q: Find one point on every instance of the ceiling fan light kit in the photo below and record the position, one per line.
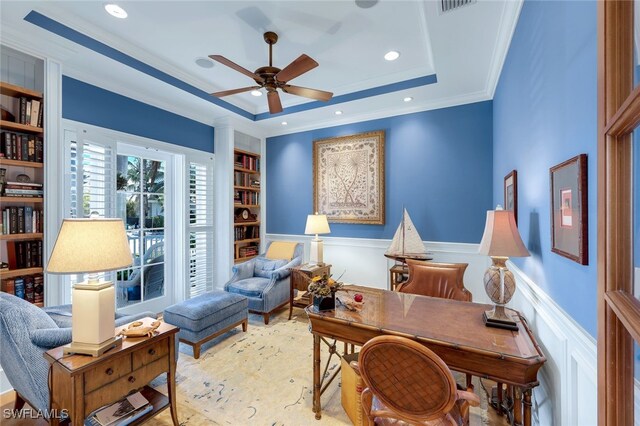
(273, 78)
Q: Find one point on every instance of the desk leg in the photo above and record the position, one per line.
(527, 407)
(171, 381)
(316, 377)
(517, 406)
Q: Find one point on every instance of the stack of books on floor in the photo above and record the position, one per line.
(23, 189)
(120, 413)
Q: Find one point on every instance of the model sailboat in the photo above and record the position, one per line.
(406, 243)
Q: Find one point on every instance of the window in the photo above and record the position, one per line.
(200, 228)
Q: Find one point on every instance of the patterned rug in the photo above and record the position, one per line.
(261, 377)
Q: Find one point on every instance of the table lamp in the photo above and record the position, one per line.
(500, 241)
(316, 224)
(91, 246)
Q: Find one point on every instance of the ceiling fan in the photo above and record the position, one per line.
(273, 78)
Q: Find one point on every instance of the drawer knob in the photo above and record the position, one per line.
(132, 379)
(109, 371)
(152, 351)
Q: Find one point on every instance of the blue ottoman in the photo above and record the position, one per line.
(207, 316)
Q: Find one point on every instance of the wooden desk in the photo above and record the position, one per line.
(454, 330)
(300, 281)
(82, 383)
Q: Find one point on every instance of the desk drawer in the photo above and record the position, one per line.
(150, 353)
(124, 385)
(106, 372)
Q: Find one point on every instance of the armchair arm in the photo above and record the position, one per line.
(283, 271)
(50, 337)
(242, 271)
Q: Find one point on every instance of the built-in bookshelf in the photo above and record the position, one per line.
(246, 202)
(22, 193)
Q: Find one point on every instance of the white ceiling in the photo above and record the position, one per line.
(465, 48)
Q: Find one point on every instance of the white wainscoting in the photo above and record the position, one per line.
(567, 391)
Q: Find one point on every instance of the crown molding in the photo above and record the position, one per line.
(508, 24)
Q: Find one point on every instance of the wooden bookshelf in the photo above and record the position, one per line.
(246, 173)
(25, 133)
(12, 273)
(19, 237)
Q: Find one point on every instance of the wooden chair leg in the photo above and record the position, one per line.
(470, 382)
(266, 318)
(18, 403)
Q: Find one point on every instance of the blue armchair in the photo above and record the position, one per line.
(265, 282)
(26, 332)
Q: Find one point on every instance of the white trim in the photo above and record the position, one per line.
(508, 26)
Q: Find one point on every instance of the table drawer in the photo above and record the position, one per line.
(150, 353)
(106, 372)
(123, 386)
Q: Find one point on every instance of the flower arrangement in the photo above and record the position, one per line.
(323, 285)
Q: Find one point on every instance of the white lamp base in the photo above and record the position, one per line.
(315, 256)
(93, 319)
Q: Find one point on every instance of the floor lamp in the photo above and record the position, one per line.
(91, 246)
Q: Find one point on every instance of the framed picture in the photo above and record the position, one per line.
(569, 212)
(511, 193)
(348, 178)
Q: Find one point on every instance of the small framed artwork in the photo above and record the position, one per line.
(511, 193)
(569, 212)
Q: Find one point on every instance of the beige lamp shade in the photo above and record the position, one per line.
(317, 224)
(501, 237)
(89, 246)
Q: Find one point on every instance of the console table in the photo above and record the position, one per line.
(300, 276)
(81, 384)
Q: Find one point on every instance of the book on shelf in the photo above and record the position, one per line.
(122, 412)
(21, 147)
(10, 220)
(24, 254)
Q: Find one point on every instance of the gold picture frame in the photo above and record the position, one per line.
(348, 178)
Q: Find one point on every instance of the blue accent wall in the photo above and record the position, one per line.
(636, 194)
(544, 113)
(437, 163)
(92, 105)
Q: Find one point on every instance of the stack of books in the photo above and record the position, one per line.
(24, 189)
(21, 220)
(246, 251)
(120, 413)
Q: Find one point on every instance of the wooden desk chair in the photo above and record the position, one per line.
(444, 280)
(408, 382)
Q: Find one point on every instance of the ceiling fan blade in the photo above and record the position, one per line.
(236, 67)
(320, 95)
(296, 68)
(234, 91)
(275, 106)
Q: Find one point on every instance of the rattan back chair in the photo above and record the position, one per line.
(406, 381)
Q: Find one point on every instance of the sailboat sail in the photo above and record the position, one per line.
(406, 241)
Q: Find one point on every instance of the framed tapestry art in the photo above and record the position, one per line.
(348, 178)
(511, 193)
(569, 217)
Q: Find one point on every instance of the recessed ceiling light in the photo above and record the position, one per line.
(115, 10)
(204, 62)
(366, 4)
(284, 123)
(392, 55)
(408, 99)
(338, 112)
(256, 93)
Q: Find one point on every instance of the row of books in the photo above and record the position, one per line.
(121, 413)
(247, 162)
(29, 287)
(24, 254)
(21, 220)
(246, 251)
(31, 112)
(246, 197)
(245, 179)
(246, 232)
(18, 146)
(23, 189)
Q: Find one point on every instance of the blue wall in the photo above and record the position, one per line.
(437, 163)
(93, 105)
(544, 113)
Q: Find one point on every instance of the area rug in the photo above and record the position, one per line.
(261, 377)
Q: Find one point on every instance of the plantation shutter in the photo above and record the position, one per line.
(200, 226)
